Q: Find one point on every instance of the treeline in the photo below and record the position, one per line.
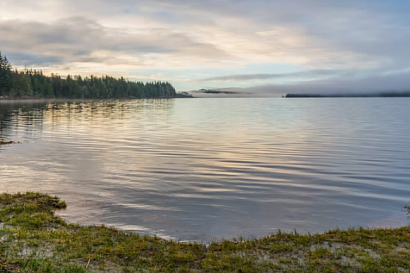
(33, 83)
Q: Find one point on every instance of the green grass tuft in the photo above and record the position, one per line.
(34, 239)
(3, 142)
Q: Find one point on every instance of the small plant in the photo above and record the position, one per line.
(3, 142)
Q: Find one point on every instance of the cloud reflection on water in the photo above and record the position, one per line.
(209, 168)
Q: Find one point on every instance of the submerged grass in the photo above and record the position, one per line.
(34, 239)
(4, 142)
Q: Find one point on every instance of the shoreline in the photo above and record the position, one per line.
(57, 100)
(350, 95)
(34, 239)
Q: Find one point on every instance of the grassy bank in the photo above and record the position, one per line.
(33, 239)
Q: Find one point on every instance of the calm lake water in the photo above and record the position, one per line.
(205, 169)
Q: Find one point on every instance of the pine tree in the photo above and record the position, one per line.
(34, 83)
(5, 76)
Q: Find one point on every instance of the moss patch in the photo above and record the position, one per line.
(33, 239)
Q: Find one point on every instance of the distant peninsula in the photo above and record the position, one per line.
(350, 95)
(33, 84)
(207, 91)
(215, 91)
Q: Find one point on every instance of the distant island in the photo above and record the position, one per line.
(208, 91)
(34, 84)
(361, 95)
(184, 95)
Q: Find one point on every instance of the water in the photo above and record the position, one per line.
(205, 169)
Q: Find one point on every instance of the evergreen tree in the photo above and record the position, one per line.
(33, 83)
(5, 76)
(21, 85)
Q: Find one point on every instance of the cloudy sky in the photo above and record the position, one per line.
(265, 45)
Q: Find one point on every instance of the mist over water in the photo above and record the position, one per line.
(203, 169)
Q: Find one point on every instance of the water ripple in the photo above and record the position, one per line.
(204, 169)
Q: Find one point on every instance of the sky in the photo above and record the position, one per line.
(266, 46)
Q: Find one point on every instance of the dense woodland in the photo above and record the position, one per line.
(33, 83)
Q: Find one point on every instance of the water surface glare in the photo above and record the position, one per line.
(204, 169)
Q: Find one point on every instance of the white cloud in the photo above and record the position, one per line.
(112, 37)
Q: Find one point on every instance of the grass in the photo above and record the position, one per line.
(3, 142)
(34, 239)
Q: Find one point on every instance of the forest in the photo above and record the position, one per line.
(34, 84)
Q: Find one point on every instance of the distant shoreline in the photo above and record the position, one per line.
(30, 99)
(372, 95)
(25, 99)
